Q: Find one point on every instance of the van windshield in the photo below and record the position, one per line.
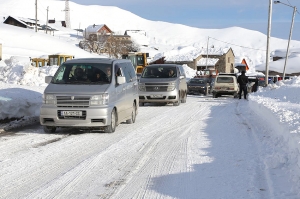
(159, 72)
(82, 73)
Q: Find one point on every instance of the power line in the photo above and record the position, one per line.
(237, 45)
(292, 6)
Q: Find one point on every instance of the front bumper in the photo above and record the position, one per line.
(160, 97)
(197, 90)
(91, 117)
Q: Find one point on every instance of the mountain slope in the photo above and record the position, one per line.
(166, 37)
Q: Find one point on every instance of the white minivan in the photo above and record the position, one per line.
(90, 93)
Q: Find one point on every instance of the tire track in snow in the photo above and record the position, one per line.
(241, 108)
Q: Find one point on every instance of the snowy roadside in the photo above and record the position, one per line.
(278, 108)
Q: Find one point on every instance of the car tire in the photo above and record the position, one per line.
(112, 127)
(215, 95)
(178, 102)
(133, 115)
(184, 98)
(49, 129)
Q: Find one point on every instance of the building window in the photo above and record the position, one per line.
(228, 59)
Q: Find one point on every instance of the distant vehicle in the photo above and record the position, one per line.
(138, 59)
(159, 84)
(225, 85)
(93, 93)
(58, 59)
(206, 73)
(198, 86)
(39, 62)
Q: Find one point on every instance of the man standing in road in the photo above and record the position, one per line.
(243, 80)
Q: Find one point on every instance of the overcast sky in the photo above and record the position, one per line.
(250, 14)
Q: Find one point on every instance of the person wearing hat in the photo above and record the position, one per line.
(243, 80)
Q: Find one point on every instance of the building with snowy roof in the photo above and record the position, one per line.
(92, 32)
(222, 60)
(21, 22)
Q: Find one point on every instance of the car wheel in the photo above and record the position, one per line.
(49, 129)
(112, 127)
(215, 95)
(133, 115)
(184, 98)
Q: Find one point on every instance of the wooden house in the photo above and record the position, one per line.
(21, 22)
(221, 61)
(92, 32)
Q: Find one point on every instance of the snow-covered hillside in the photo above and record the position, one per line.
(170, 40)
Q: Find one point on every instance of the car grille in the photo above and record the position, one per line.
(73, 101)
(156, 87)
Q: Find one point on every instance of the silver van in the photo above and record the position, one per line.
(163, 83)
(93, 93)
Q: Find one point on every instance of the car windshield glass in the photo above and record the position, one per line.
(224, 80)
(197, 81)
(159, 72)
(83, 73)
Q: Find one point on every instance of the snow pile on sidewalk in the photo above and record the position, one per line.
(279, 108)
(18, 70)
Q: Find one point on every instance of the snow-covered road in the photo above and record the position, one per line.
(206, 148)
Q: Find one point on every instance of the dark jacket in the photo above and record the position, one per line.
(242, 79)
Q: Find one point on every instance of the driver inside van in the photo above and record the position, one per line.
(171, 73)
(79, 74)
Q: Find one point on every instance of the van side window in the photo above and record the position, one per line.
(131, 70)
(181, 70)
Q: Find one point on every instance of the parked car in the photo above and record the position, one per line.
(198, 86)
(94, 93)
(225, 85)
(163, 83)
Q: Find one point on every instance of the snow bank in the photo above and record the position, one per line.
(279, 108)
(18, 70)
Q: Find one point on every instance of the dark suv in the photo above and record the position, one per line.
(198, 86)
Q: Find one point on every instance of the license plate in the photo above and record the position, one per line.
(156, 96)
(71, 113)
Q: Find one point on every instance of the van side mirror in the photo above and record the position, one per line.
(182, 77)
(48, 79)
(121, 80)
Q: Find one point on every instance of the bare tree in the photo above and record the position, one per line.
(114, 45)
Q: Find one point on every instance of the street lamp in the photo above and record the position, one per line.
(291, 30)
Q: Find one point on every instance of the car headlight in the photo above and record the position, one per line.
(142, 87)
(171, 86)
(48, 99)
(99, 99)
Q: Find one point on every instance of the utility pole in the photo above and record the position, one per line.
(268, 43)
(35, 15)
(288, 46)
(47, 20)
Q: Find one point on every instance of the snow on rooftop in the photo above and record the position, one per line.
(282, 52)
(207, 61)
(94, 28)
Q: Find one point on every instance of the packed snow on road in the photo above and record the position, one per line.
(205, 148)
